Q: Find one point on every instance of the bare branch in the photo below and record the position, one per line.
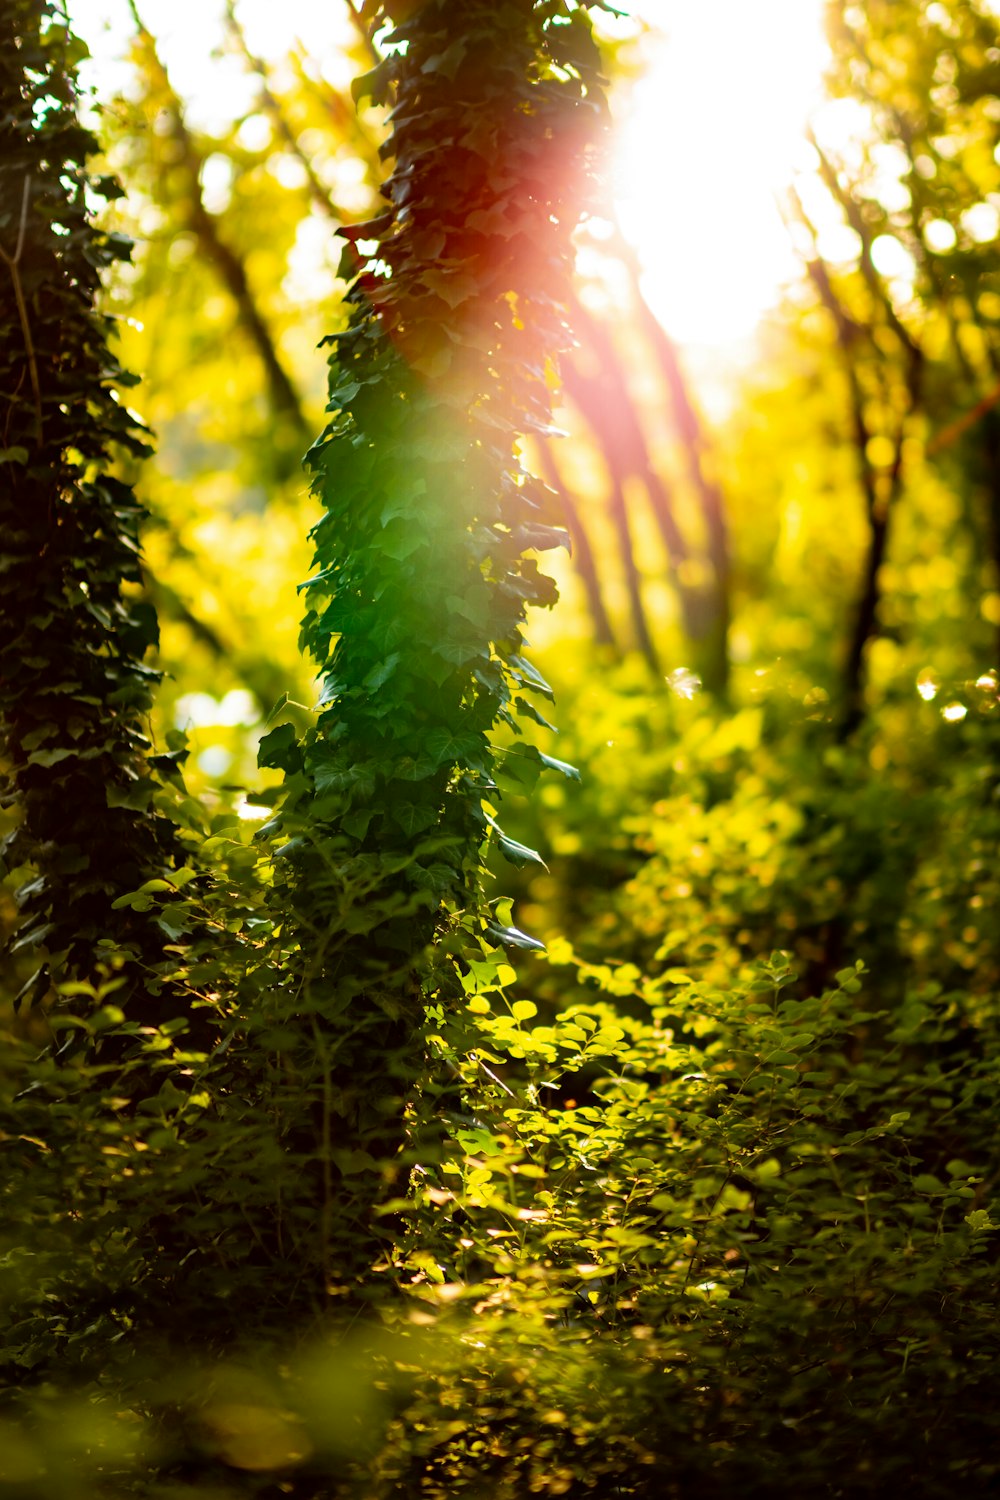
(231, 269)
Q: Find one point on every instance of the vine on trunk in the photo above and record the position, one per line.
(424, 555)
(74, 631)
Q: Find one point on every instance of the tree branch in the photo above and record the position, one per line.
(879, 500)
(284, 397)
(317, 191)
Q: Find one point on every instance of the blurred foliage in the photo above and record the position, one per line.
(705, 1200)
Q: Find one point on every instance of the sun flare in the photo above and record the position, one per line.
(712, 132)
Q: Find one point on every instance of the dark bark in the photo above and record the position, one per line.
(991, 450)
(881, 493)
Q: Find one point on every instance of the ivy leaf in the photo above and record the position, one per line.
(380, 674)
(521, 768)
(279, 749)
(529, 711)
(169, 763)
(524, 765)
(447, 62)
(49, 757)
(513, 937)
(542, 538)
(136, 795)
(562, 766)
(453, 287)
(448, 748)
(375, 84)
(330, 773)
(531, 677)
(518, 854)
(400, 541)
(413, 817)
(308, 584)
(357, 821)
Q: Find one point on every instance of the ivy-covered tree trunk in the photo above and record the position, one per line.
(424, 556)
(74, 690)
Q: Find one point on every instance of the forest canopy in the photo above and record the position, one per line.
(499, 784)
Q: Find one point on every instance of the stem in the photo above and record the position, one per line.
(12, 262)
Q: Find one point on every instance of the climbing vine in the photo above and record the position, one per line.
(74, 629)
(425, 554)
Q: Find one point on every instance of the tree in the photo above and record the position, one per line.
(389, 799)
(415, 613)
(73, 632)
(914, 310)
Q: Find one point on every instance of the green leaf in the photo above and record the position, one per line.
(529, 711)
(531, 677)
(50, 757)
(447, 62)
(449, 748)
(521, 768)
(562, 766)
(400, 545)
(517, 854)
(280, 750)
(413, 817)
(135, 795)
(380, 674)
(375, 84)
(357, 821)
(513, 937)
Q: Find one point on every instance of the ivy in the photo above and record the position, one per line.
(74, 628)
(424, 555)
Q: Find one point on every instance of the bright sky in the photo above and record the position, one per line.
(715, 131)
(216, 88)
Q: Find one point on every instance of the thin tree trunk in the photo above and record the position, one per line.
(583, 555)
(991, 449)
(879, 500)
(594, 403)
(75, 690)
(633, 581)
(610, 408)
(711, 626)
